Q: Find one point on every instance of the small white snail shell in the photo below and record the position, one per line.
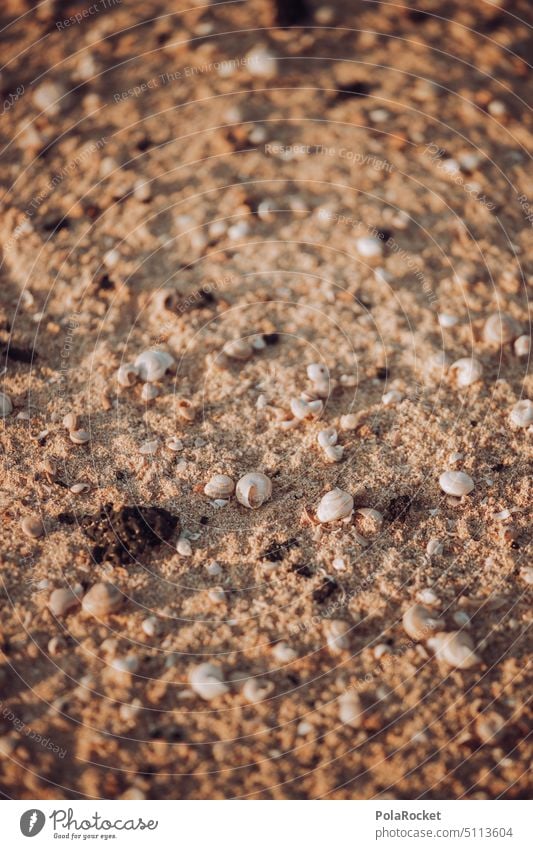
(238, 349)
(467, 370)
(420, 623)
(522, 413)
(219, 486)
(334, 505)
(304, 409)
(522, 346)
(456, 483)
(337, 631)
(207, 681)
(257, 689)
(334, 453)
(350, 710)
(327, 437)
(6, 407)
(500, 329)
(318, 373)
(253, 490)
(455, 648)
(348, 421)
(152, 365)
(127, 375)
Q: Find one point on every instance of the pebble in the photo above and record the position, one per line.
(446, 320)
(334, 505)
(500, 329)
(369, 247)
(392, 397)
(213, 568)
(184, 547)
(467, 370)
(284, 653)
(32, 527)
(434, 548)
(522, 346)
(6, 405)
(111, 259)
(217, 595)
(489, 726)
(522, 413)
(64, 599)
(207, 681)
(257, 689)
(348, 421)
(79, 437)
(253, 489)
(350, 709)
(80, 487)
(71, 422)
(339, 564)
(456, 483)
(420, 623)
(102, 599)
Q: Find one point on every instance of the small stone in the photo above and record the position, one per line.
(80, 487)
(6, 406)
(350, 709)
(348, 421)
(257, 689)
(64, 599)
(102, 599)
(522, 346)
(522, 413)
(434, 548)
(32, 527)
(456, 483)
(284, 653)
(369, 247)
(71, 421)
(184, 547)
(149, 626)
(392, 397)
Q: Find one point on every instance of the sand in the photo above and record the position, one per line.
(362, 131)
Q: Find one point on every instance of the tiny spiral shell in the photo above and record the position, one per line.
(253, 490)
(327, 437)
(152, 365)
(304, 409)
(127, 375)
(420, 623)
(456, 483)
(500, 329)
(219, 486)
(317, 373)
(455, 648)
(467, 370)
(336, 504)
(522, 413)
(238, 349)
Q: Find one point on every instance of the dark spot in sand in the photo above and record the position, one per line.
(123, 535)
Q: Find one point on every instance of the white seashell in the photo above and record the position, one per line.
(392, 397)
(334, 453)
(526, 573)
(436, 366)
(348, 421)
(149, 626)
(127, 375)
(184, 547)
(327, 437)
(149, 448)
(456, 648)
(6, 407)
(304, 409)
(339, 564)
(80, 487)
(238, 349)
(337, 631)
(257, 689)
(500, 329)
(522, 413)
(111, 258)
(489, 726)
(213, 568)
(369, 247)
(207, 681)
(522, 346)
(446, 320)
(149, 392)
(334, 505)
(420, 623)
(467, 370)
(322, 388)
(261, 62)
(434, 548)
(102, 599)
(174, 444)
(79, 437)
(284, 653)
(253, 490)
(317, 373)
(427, 596)
(456, 483)
(153, 365)
(350, 710)
(219, 486)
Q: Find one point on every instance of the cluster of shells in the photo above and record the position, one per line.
(252, 489)
(454, 648)
(150, 367)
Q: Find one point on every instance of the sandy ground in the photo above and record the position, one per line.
(178, 180)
